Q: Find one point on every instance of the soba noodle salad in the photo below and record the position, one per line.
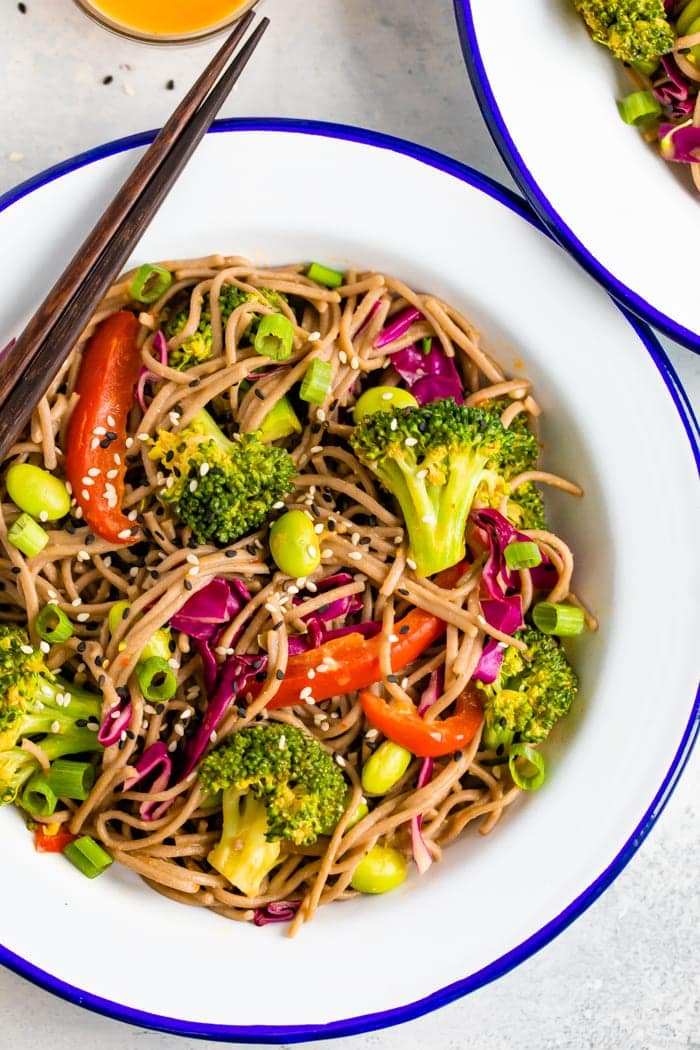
(281, 614)
(659, 43)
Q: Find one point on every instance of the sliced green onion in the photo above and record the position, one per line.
(522, 555)
(87, 856)
(529, 775)
(149, 283)
(558, 618)
(324, 275)
(156, 679)
(426, 344)
(280, 422)
(118, 612)
(38, 797)
(274, 337)
(317, 382)
(70, 779)
(52, 625)
(27, 535)
(638, 107)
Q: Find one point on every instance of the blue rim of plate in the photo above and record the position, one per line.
(545, 210)
(382, 1019)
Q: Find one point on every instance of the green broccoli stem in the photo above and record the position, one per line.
(495, 736)
(206, 426)
(243, 855)
(435, 515)
(51, 714)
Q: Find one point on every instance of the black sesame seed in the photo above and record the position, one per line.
(315, 509)
(15, 570)
(105, 443)
(111, 435)
(365, 539)
(684, 50)
(125, 612)
(279, 674)
(22, 8)
(101, 680)
(252, 549)
(108, 79)
(276, 626)
(230, 553)
(187, 585)
(260, 676)
(195, 382)
(402, 590)
(82, 646)
(170, 84)
(160, 708)
(259, 394)
(122, 692)
(153, 573)
(99, 660)
(502, 723)
(131, 735)
(405, 629)
(172, 645)
(89, 539)
(392, 678)
(333, 405)
(242, 711)
(457, 756)
(500, 749)
(331, 525)
(81, 723)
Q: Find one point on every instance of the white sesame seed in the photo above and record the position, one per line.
(314, 337)
(192, 559)
(355, 539)
(27, 650)
(15, 156)
(326, 554)
(133, 515)
(212, 736)
(316, 449)
(301, 581)
(394, 424)
(172, 746)
(100, 431)
(278, 505)
(311, 586)
(318, 528)
(88, 481)
(355, 362)
(94, 443)
(85, 494)
(193, 570)
(387, 396)
(174, 418)
(343, 357)
(322, 668)
(51, 593)
(83, 556)
(122, 735)
(55, 727)
(355, 555)
(371, 734)
(124, 534)
(341, 761)
(310, 674)
(180, 730)
(149, 709)
(111, 421)
(312, 550)
(404, 683)
(411, 564)
(429, 519)
(76, 602)
(117, 459)
(410, 442)
(292, 589)
(78, 512)
(187, 713)
(82, 617)
(43, 516)
(325, 726)
(305, 692)
(129, 442)
(112, 474)
(282, 742)
(393, 637)
(143, 437)
(320, 415)
(94, 472)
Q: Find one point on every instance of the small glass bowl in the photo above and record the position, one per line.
(98, 15)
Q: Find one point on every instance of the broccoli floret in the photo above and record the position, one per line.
(634, 30)
(524, 506)
(433, 459)
(533, 690)
(198, 346)
(34, 703)
(222, 489)
(278, 784)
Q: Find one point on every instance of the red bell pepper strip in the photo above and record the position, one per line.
(44, 842)
(346, 664)
(399, 721)
(108, 373)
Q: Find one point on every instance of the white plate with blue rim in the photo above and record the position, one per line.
(353, 197)
(548, 94)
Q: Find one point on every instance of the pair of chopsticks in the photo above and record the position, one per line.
(30, 365)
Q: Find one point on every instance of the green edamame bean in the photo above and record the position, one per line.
(686, 18)
(294, 544)
(385, 767)
(37, 491)
(382, 399)
(361, 810)
(116, 615)
(381, 870)
(694, 27)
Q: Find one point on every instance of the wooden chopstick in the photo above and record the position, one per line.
(29, 368)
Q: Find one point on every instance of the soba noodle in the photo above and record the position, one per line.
(361, 534)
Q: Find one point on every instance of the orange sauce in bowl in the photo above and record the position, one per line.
(168, 17)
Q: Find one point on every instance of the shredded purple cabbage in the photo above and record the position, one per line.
(276, 911)
(205, 616)
(490, 661)
(397, 327)
(422, 856)
(676, 90)
(429, 377)
(317, 622)
(680, 142)
(114, 723)
(145, 376)
(155, 762)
